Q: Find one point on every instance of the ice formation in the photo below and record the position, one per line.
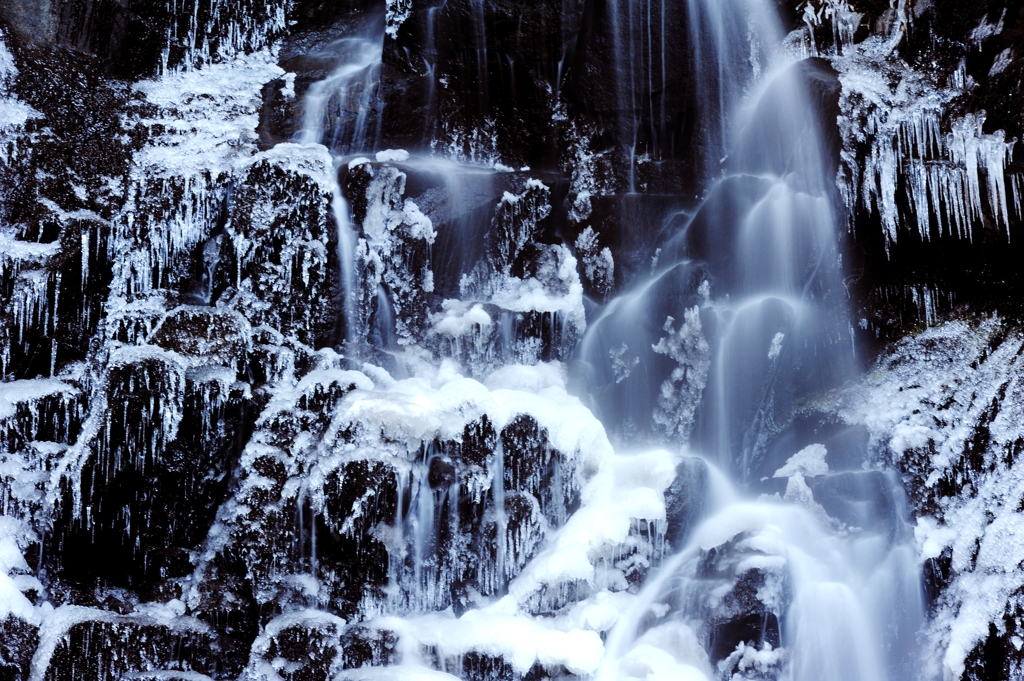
(924, 165)
(952, 426)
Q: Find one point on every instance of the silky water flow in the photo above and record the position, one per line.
(796, 565)
(824, 573)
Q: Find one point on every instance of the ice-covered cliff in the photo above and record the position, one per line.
(500, 339)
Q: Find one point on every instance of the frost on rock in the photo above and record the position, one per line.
(393, 253)
(13, 113)
(590, 173)
(478, 145)
(681, 391)
(515, 223)
(39, 419)
(371, 498)
(202, 129)
(17, 582)
(945, 408)
(839, 14)
(205, 32)
(622, 364)
(598, 264)
(201, 252)
(522, 303)
(180, 434)
(542, 315)
(200, 479)
(397, 12)
(275, 266)
(99, 644)
(202, 273)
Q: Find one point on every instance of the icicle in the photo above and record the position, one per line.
(498, 487)
(1015, 184)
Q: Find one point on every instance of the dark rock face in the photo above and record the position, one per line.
(475, 72)
(98, 645)
(20, 640)
(150, 492)
(283, 261)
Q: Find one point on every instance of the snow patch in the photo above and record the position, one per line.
(392, 156)
(809, 461)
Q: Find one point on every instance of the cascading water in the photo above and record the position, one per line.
(741, 317)
(343, 113)
(759, 265)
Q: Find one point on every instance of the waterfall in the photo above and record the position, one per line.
(796, 565)
(759, 262)
(491, 340)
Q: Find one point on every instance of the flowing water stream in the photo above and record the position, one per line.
(804, 557)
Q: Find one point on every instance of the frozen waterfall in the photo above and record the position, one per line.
(494, 340)
(793, 565)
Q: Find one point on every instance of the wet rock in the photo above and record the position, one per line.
(153, 475)
(686, 501)
(746, 605)
(82, 643)
(647, 115)
(870, 501)
(633, 250)
(441, 473)
(847, 445)
(531, 465)
(764, 141)
(460, 207)
(18, 642)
